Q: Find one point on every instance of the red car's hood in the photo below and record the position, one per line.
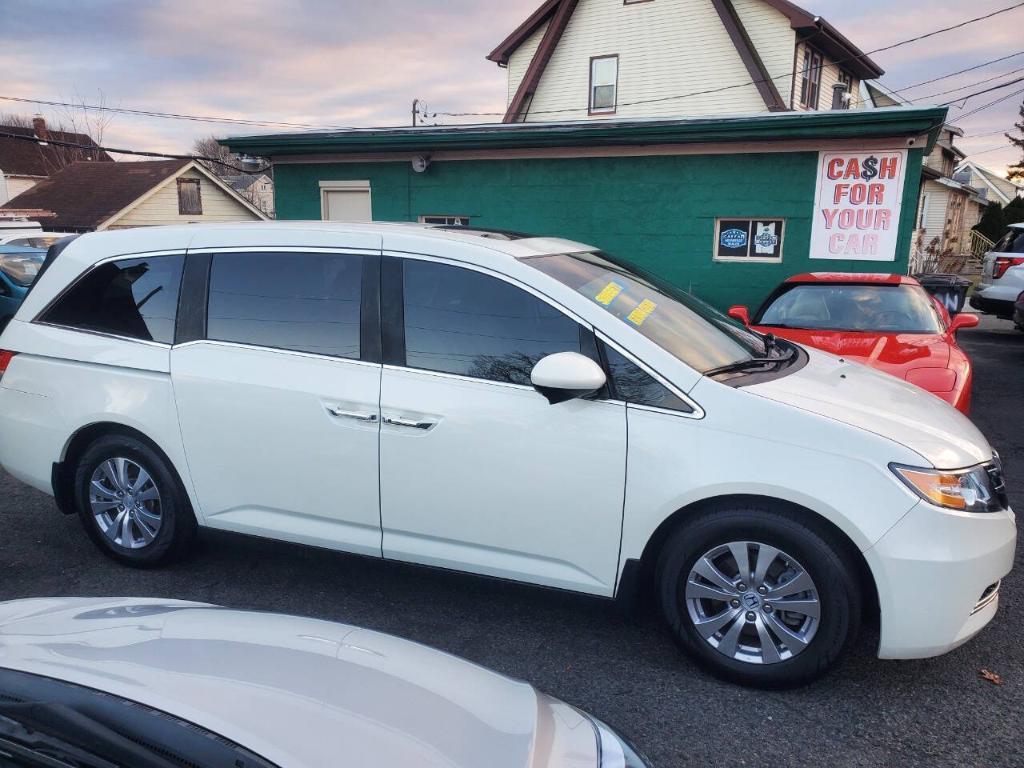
(894, 353)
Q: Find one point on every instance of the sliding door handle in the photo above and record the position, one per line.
(410, 423)
(341, 413)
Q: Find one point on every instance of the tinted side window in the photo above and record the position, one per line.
(463, 322)
(634, 385)
(307, 302)
(137, 298)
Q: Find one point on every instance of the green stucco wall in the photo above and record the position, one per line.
(656, 211)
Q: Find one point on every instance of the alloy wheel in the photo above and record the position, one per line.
(125, 503)
(752, 602)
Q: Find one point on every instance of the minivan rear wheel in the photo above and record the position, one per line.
(758, 596)
(131, 503)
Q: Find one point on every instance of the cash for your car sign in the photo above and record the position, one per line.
(857, 205)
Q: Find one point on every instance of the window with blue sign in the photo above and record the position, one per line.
(749, 239)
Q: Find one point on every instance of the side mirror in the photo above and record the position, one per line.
(741, 313)
(565, 376)
(963, 320)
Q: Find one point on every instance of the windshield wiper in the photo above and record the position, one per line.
(58, 732)
(752, 362)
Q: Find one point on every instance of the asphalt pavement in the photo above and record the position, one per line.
(936, 712)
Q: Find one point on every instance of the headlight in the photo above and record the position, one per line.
(616, 752)
(976, 489)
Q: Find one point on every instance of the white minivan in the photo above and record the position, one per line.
(525, 408)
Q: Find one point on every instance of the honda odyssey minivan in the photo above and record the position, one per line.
(524, 408)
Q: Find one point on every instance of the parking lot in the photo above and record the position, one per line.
(629, 673)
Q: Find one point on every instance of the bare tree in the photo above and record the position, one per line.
(78, 124)
(207, 147)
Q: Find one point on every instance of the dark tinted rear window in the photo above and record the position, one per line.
(136, 298)
(307, 302)
(1011, 242)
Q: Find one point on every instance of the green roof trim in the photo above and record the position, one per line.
(834, 124)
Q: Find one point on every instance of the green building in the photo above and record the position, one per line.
(724, 206)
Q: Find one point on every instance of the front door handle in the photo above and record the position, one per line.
(411, 423)
(340, 412)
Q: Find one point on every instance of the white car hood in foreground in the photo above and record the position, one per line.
(298, 692)
(877, 402)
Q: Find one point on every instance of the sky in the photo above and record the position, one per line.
(334, 63)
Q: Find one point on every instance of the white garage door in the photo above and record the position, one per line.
(345, 201)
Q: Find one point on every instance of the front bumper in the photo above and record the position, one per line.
(934, 571)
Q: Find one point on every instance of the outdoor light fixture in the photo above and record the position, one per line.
(420, 163)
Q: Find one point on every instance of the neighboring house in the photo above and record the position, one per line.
(942, 206)
(92, 196)
(574, 59)
(24, 162)
(258, 189)
(874, 94)
(999, 189)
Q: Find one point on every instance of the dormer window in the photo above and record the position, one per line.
(810, 79)
(604, 79)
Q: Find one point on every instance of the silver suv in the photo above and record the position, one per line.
(1002, 276)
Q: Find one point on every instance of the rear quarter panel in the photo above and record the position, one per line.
(62, 381)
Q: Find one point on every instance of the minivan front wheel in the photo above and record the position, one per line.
(130, 502)
(758, 596)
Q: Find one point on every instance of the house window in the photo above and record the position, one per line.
(604, 78)
(749, 239)
(448, 221)
(190, 201)
(810, 79)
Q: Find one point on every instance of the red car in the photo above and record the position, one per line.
(886, 321)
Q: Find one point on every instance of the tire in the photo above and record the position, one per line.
(742, 655)
(154, 524)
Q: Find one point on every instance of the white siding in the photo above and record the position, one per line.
(665, 48)
(520, 60)
(162, 207)
(773, 39)
(935, 213)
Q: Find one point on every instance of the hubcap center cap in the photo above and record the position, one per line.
(751, 600)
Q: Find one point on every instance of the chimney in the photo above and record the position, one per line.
(39, 126)
(840, 96)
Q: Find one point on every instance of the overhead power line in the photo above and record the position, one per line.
(990, 149)
(990, 104)
(969, 85)
(174, 115)
(785, 75)
(999, 87)
(118, 151)
(958, 72)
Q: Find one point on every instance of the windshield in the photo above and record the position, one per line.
(678, 322)
(22, 267)
(831, 307)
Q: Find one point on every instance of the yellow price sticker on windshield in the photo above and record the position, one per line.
(642, 311)
(608, 294)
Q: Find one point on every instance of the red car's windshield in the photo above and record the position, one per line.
(837, 307)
